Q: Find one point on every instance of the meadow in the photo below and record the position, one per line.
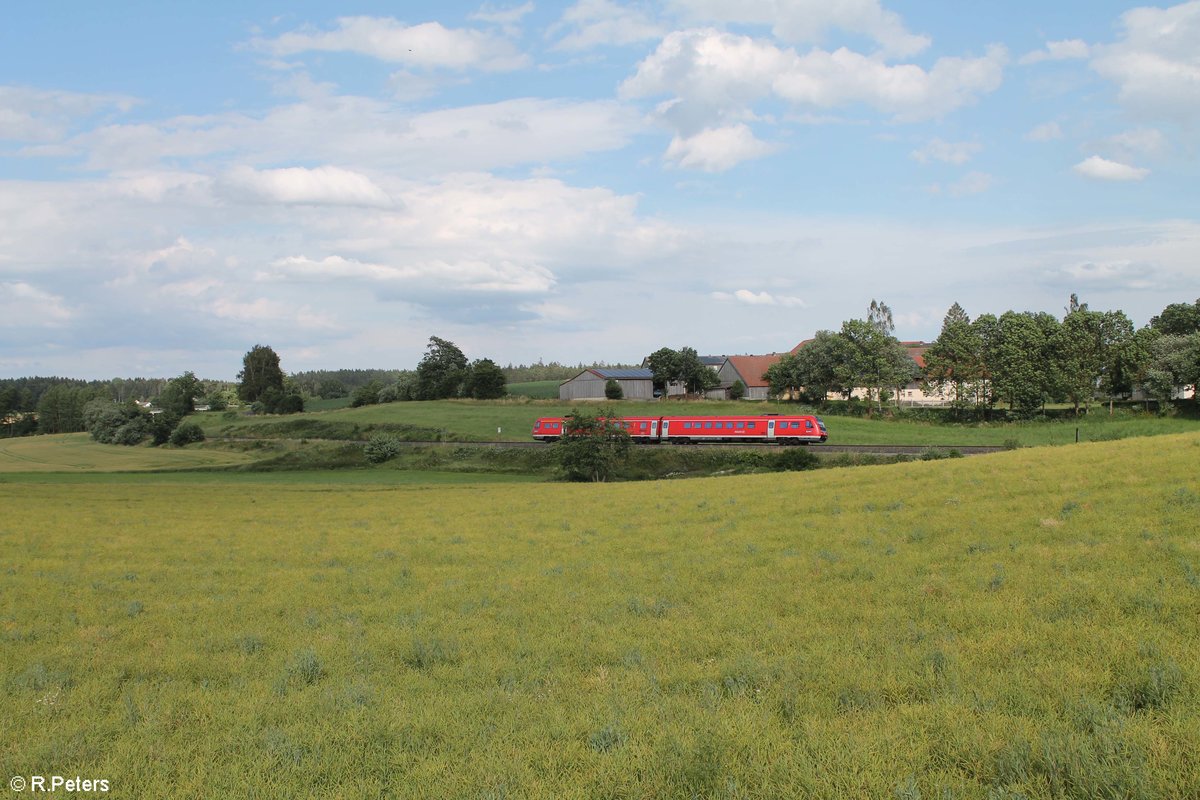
(78, 452)
(1018, 625)
(512, 420)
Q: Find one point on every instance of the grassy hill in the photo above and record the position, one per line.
(508, 420)
(1015, 625)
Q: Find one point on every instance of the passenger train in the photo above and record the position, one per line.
(770, 428)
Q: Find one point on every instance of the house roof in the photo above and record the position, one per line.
(634, 373)
(751, 368)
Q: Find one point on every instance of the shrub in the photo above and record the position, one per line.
(380, 448)
(797, 459)
(613, 390)
(737, 391)
(185, 433)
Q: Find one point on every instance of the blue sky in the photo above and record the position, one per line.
(577, 181)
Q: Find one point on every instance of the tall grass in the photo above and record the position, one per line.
(1021, 625)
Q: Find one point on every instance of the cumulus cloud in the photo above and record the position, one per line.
(809, 21)
(595, 23)
(1156, 62)
(427, 45)
(1065, 50)
(760, 298)
(1046, 132)
(717, 149)
(1103, 169)
(946, 152)
(714, 75)
(325, 185)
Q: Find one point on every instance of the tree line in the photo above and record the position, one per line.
(1021, 359)
(443, 373)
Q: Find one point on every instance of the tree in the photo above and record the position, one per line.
(1174, 363)
(485, 380)
(367, 395)
(613, 390)
(1178, 319)
(876, 359)
(178, 396)
(818, 368)
(955, 360)
(738, 390)
(260, 373)
(666, 367)
(592, 446)
(442, 371)
(696, 377)
(1017, 362)
(331, 389)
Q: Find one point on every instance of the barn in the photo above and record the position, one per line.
(749, 370)
(637, 384)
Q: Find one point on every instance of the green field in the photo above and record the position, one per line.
(535, 390)
(509, 420)
(1016, 625)
(77, 452)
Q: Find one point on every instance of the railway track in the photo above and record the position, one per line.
(819, 449)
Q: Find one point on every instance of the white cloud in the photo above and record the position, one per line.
(1144, 141)
(502, 16)
(717, 149)
(809, 21)
(1156, 63)
(325, 185)
(39, 115)
(594, 23)
(428, 45)
(25, 306)
(500, 276)
(1112, 274)
(1065, 50)
(1103, 169)
(946, 152)
(761, 298)
(1046, 132)
(352, 130)
(263, 310)
(717, 76)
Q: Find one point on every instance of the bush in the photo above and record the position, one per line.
(381, 448)
(186, 433)
(613, 390)
(797, 459)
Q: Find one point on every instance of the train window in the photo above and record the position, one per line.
(741, 425)
(708, 424)
(752, 425)
(808, 424)
(644, 425)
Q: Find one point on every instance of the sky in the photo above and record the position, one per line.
(577, 182)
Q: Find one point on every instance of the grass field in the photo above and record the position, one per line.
(1016, 625)
(77, 452)
(535, 390)
(513, 420)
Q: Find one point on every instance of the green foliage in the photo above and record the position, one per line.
(60, 408)
(260, 374)
(1178, 319)
(177, 397)
(186, 433)
(442, 371)
(366, 395)
(593, 445)
(737, 390)
(381, 448)
(613, 390)
(485, 380)
(954, 363)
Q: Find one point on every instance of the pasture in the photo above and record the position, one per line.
(78, 452)
(1016, 625)
(512, 420)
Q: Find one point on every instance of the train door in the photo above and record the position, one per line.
(771, 429)
(653, 430)
(666, 429)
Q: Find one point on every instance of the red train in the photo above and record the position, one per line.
(776, 428)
